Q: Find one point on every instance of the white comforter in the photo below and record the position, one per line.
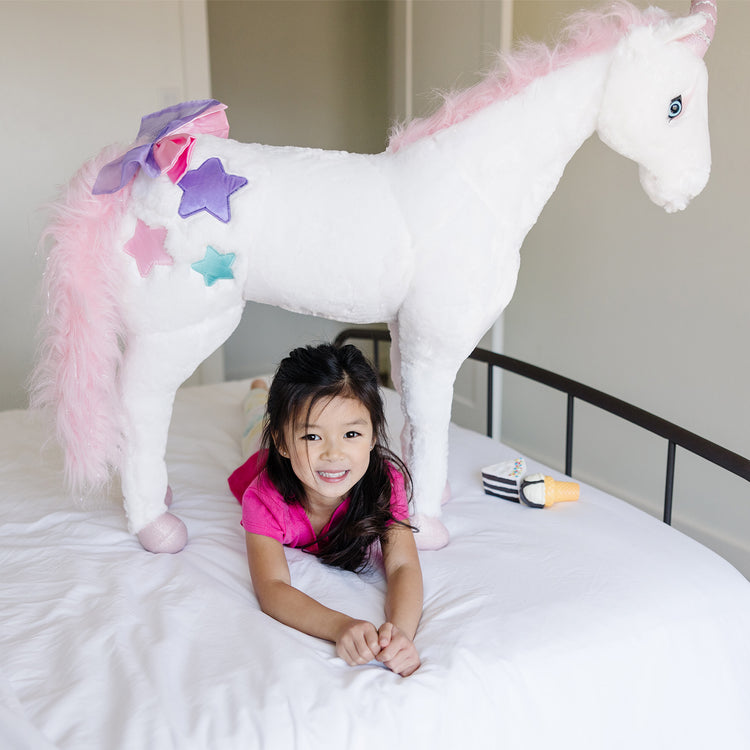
(587, 625)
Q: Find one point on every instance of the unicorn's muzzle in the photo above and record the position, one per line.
(674, 196)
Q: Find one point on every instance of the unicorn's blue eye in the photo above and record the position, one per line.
(675, 107)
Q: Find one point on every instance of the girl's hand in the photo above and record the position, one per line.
(357, 642)
(397, 652)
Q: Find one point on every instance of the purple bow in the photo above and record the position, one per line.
(118, 173)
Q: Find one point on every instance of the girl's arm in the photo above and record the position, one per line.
(356, 640)
(403, 602)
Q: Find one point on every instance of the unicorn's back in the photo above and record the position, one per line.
(313, 231)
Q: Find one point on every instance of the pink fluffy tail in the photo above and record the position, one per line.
(81, 333)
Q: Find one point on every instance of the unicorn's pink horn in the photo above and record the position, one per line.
(699, 40)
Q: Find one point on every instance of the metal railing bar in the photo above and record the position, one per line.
(569, 436)
(717, 454)
(669, 485)
(490, 400)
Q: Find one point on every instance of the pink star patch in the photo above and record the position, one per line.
(147, 247)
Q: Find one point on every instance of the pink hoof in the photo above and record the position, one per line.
(446, 494)
(432, 532)
(164, 534)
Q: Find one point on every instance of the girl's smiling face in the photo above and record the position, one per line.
(331, 452)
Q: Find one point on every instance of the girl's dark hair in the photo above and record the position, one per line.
(311, 374)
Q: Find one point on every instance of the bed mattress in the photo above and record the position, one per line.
(585, 625)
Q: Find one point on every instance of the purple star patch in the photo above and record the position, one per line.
(208, 189)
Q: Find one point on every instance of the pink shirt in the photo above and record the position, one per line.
(265, 512)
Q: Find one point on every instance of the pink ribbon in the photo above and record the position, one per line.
(172, 152)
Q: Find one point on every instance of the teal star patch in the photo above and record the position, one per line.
(214, 266)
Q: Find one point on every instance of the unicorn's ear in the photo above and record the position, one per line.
(680, 28)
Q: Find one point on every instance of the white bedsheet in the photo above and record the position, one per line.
(587, 625)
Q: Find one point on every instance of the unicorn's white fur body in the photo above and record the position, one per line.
(425, 237)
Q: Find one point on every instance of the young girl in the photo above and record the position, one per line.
(325, 480)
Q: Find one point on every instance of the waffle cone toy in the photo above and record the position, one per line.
(540, 491)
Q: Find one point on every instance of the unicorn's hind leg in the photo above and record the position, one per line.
(147, 411)
(156, 364)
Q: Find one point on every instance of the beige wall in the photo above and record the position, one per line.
(651, 307)
(75, 76)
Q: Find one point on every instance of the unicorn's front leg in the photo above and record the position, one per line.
(427, 396)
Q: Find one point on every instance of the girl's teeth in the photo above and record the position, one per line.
(332, 474)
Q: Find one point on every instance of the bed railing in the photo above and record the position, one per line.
(672, 433)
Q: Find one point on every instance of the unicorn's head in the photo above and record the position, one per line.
(655, 108)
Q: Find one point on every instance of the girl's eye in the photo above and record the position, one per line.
(675, 107)
(352, 434)
(310, 437)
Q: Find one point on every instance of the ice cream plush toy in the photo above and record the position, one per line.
(540, 491)
(155, 248)
(508, 480)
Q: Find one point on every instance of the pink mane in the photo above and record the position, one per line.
(586, 33)
(79, 356)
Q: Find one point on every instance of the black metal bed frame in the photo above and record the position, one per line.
(672, 433)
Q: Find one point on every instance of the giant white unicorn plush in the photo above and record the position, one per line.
(156, 250)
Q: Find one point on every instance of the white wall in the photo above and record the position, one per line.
(75, 76)
(648, 306)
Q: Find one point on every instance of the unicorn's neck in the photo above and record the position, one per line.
(513, 152)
